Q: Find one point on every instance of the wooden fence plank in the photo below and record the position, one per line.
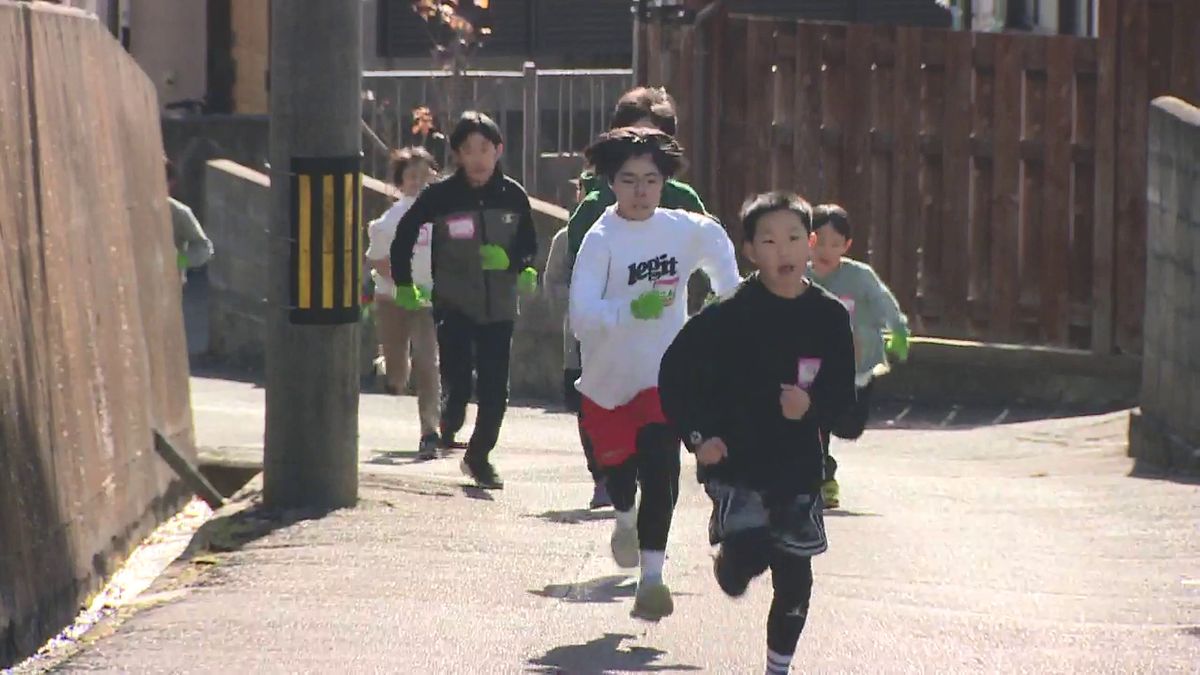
(882, 180)
(835, 103)
(1104, 225)
(1056, 234)
(908, 232)
(759, 53)
(1083, 207)
(733, 129)
(783, 169)
(806, 148)
(956, 177)
(1006, 167)
(931, 286)
(856, 159)
(1132, 126)
(1185, 58)
(982, 178)
(1033, 187)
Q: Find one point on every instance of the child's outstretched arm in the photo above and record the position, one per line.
(688, 381)
(717, 258)
(407, 230)
(885, 305)
(590, 312)
(832, 392)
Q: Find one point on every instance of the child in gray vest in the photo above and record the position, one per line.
(872, 309)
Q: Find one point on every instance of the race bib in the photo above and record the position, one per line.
(667, 287)
(461, 227)
(849, 304)
(806, 372)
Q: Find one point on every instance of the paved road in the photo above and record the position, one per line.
(1021, 547)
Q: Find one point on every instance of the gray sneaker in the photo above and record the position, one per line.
(624, 544)
(653, 602)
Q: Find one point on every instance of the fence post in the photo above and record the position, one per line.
(529, 142)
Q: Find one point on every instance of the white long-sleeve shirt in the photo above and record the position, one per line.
(380, 234)
(620, 260)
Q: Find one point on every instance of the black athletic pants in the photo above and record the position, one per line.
(655, 466)
(747, 555)
(468, 350)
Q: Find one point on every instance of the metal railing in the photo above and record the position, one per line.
(546, 116)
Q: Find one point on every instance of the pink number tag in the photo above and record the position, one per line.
(462, 227)
(667, 288)
(807, 370)
(849, 303)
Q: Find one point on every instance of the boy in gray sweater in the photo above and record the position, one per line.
(872, 309)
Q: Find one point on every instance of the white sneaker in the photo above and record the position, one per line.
(625, 547)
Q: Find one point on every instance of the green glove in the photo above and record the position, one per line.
(648, 305)
(897, 344)
(181, 260)
(408, 297)
(527, 280)
(494, 257)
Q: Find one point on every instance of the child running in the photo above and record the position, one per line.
(628, 300)
(556, 284)
(410, 170)
(749, 383)
(483, 243)
(872, 309)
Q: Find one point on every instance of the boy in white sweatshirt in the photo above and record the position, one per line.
(628, 300)
(410, 169)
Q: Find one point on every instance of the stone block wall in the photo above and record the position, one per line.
(1165, 434)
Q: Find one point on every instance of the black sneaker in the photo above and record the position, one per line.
(428, 449)
(483, 473)
(448, 442)
(733, 585)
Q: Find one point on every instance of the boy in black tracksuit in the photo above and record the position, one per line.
(483, 242)
(749, 383)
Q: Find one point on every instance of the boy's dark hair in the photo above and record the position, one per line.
(475, 122)
(641, 102)
(769, 202)
(616, 147)
(834, 216)
(402, 158)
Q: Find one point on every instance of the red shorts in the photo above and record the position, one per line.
(613, 433)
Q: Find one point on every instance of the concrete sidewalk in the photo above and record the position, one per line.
(1013, 548)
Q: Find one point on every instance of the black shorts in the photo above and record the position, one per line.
(795, 525)
(853, 422)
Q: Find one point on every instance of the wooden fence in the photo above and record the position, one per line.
(996, 181)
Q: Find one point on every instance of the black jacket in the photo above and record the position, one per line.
(464, 218)
(721, 378)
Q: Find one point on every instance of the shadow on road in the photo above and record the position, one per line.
(576, 516)
(478, 493)
(1144, 471)
(394, 458)
(603, 655)
(603, 590)
(842, 513)
(922, 415)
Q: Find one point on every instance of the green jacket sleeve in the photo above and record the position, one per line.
(680, 195)
(586, 215)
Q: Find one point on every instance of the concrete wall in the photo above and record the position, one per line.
(1166, 433)
(169, 40)
(251, 55)
(237, 206)
(92, 354)
(191, 142)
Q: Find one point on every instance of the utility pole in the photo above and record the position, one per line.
(314, 254)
